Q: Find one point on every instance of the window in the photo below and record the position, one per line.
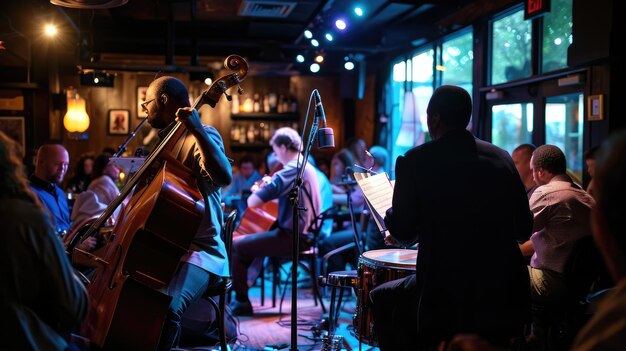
(564, 128)
(511, 125)
(410, 97)
(457, 60)
(557, 35)
(510, 48)
(413, 82)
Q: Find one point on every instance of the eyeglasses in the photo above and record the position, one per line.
(144, 105)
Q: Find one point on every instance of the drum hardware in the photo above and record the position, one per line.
(375, 268)
(332, 342)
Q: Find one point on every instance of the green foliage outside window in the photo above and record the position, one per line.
(557, 35)
(511, 48)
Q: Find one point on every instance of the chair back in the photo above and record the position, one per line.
(227, 231)
(583, 267)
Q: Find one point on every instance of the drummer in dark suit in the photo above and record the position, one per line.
(462, 199)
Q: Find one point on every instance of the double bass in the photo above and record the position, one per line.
(128, 306)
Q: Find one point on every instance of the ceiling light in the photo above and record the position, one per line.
(308, 34)
(340, 24)
(349, 65)
(329, 37)
(315, 68)
(89, 5)
(315, 43)
(319, 58)
(50, 30)
(358, 11)
(300, 58)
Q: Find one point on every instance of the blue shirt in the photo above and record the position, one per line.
(233, 194)
(55, 201)
(327, 201)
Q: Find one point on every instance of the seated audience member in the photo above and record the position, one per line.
(380, 155)
(82, 174)
(340, 166)
(323, 165)
(271, 163)
(101, 192)
(521, 156)
(50, 167)
(358, 150)
(235, 194)
(561, 217)
(607, 328)
(42, 301)
(340, 177)
(590, 161)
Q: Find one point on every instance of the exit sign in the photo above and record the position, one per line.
(535, 8)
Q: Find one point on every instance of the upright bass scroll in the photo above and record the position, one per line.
(155, 229)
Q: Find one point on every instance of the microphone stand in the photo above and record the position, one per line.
(122, 148)
(355, 232)
(294, 200)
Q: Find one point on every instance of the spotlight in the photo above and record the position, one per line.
(349, 65)
(50, 30)
(300, 58)
(96, 79)
(340, 24)
(208, 81)
(329, 37)
(308, 34)
(358, 11)
(319, 58)
(315, 43)
(315, 68)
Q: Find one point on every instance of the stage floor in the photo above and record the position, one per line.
(270, 327)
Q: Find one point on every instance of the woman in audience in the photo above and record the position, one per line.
(34, 267)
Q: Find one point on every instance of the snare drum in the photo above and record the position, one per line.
(375, 268)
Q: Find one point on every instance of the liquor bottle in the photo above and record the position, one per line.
(272, 102)
(257, 134)
(266, 103)
(250, 134)
(267, 134)
(242, 135)
(234, 134)
(234, 107)
(257, 103)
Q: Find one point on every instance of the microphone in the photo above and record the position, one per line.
(325, 135)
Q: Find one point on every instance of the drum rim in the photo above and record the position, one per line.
(371, 261)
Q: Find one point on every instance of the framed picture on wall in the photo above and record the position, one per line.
(119, 122)
(13, 127)
(141, 98)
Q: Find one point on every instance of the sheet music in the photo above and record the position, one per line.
(378, 192)
(130, 165)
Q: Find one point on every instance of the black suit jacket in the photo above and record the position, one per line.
(463, 201)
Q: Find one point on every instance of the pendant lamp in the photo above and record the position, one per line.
(76, 119)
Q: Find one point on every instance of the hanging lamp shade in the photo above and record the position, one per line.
(411, 133)
(76, 119)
